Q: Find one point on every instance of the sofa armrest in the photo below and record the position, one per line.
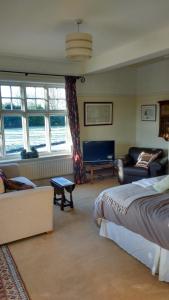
(15, 196)
(30, 212)
(10, 170)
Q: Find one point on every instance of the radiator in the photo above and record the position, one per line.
(45, 168)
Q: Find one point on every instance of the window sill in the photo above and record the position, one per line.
(41, 157)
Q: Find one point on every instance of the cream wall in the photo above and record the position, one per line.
(117, 87)
(152, 86)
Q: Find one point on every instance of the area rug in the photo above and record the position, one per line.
(11, 283)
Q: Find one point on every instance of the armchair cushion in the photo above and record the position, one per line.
(136, 171)
(144, 159)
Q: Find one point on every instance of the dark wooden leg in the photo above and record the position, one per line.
(71, 200)
(54, 197)
(62, 201)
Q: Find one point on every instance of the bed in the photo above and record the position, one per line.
(136, 217)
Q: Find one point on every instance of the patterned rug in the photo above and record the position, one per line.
(11, 283)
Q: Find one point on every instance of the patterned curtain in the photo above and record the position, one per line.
(73, 115)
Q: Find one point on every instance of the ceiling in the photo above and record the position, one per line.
(36, 29)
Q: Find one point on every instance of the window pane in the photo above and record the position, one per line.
(6, 104)
(52, 93)
(16, 92)
(53, 104)
(40, 92)
(40, 104)
(57, 104)
(13, 134)
(55, 93)
(16, 103)
(31, 104)
(58, 133)
(37, 132)
(62, 104)
(61, 93)
(5, 91)
(30, 92)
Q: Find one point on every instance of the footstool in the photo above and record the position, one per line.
(61, 184)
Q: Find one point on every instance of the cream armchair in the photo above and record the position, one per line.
(24, 213)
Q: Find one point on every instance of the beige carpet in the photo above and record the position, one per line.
(74, 263)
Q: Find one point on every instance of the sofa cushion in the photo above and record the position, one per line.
(24, 180)
(15, 185)
(18, 183)
(144, 159)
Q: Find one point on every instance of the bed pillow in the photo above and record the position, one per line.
(162, 185)
(144, 159)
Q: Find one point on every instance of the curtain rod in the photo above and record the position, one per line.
(82, 78)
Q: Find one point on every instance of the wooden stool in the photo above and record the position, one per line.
(61, 184)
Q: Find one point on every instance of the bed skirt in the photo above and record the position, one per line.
(150, 254)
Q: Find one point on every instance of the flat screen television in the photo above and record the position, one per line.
(98, 152)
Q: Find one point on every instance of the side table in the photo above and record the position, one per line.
(61, 184)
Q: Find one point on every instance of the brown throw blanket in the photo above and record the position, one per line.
(121, 197)
(147, 216)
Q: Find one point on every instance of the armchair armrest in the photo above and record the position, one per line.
(119, 165)
(158, 167)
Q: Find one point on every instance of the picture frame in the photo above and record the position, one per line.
(98, 113)
(148, 112)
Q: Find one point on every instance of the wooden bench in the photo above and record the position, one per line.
(61, 184)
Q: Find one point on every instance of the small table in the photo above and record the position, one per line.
(61, 184)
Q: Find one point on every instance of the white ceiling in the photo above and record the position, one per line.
(37, 28)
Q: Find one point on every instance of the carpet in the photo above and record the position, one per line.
(75, 263)
(11, 283)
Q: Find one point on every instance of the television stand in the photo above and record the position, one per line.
(91, 168)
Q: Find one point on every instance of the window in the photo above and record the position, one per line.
(33, 116)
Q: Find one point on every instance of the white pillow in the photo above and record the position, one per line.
(162, 185)
(2, 187)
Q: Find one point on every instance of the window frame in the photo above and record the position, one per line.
(24, 112)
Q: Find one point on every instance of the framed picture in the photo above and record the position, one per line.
(98, 113)
(148, 112)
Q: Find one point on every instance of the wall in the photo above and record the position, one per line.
(152, 86)
(117, 87)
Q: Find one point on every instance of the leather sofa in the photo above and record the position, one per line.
(24, 213)
(128, 172)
